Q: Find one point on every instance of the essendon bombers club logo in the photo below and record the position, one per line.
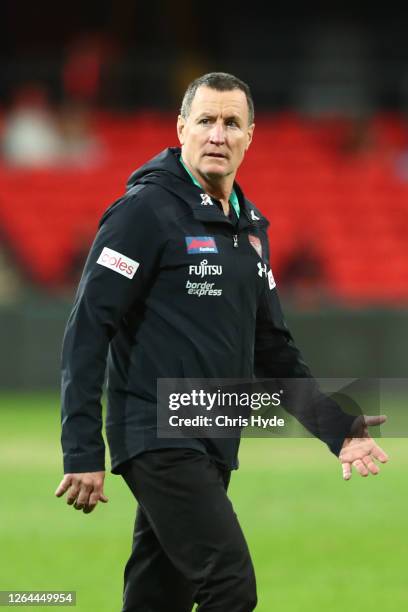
(118, 263)
(201, 244)
(256, 243)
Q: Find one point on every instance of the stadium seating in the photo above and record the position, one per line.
(351, 206)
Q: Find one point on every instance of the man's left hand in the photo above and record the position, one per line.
(360, 450)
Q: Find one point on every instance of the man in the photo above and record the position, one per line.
(140, 297)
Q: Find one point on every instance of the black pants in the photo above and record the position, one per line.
(188, 546)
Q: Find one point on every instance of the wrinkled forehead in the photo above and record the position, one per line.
(219, 103)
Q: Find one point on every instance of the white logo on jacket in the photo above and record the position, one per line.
(271, 280)
(206, 200)
(204, 269)
(262, 271)
(253, 216)
(118, 263)
(200, 289)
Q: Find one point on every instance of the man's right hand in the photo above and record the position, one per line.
(84, 490)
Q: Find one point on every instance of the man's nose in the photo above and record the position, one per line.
(217, 133)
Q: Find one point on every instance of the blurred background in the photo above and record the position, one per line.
(88, 92)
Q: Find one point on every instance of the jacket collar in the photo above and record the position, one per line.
(176, 180)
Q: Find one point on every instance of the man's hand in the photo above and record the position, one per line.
(84, 490)
(360, 450)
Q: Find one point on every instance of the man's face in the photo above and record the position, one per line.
(216, 134)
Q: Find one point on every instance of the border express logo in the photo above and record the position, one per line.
(201, 244)
(204, 288)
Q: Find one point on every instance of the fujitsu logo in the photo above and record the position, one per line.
(118, 262)
(204, 269)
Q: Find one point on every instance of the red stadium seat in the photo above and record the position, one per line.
(353, 210)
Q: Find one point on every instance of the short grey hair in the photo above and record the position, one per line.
(220, 81)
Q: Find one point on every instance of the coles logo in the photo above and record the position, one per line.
(118, 262)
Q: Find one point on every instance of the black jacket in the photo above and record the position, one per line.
(144, 297)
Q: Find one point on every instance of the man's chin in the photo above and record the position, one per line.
(215, 170)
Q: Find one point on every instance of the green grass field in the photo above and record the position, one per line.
(317, 542)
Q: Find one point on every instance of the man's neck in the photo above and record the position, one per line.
(219, 188)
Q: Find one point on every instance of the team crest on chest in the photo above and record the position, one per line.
(256, 243)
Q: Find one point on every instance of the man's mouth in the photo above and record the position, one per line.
(216, 155)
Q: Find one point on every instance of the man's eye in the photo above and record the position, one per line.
(232, 123)
(204, 121)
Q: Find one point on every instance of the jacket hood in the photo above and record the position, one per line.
(166, 170)
(167, 161)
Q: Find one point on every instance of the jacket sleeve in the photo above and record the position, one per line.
(118, 272)
(276, 356)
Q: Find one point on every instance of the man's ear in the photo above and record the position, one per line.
(250, 135)
(180, 129)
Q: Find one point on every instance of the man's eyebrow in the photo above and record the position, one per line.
(206, 114)
(232, 117)
(236, 118)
